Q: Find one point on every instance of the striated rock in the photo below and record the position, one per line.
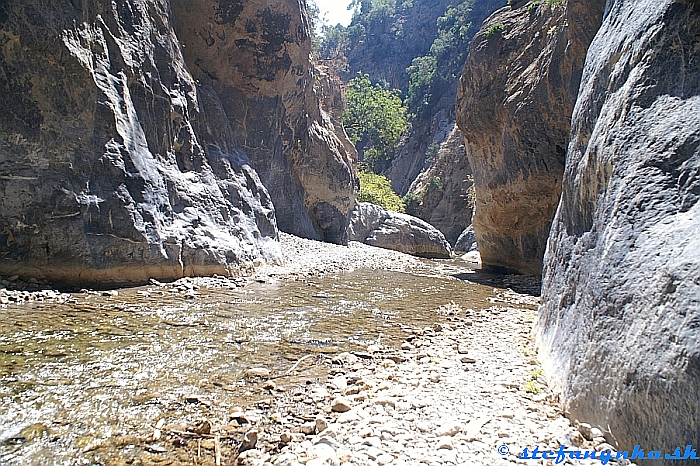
(619, 325)
(446, 189)
(514, 106)
(255, 57)
(376, 226)
(115, 165)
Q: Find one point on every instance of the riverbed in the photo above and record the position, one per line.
(85, 380)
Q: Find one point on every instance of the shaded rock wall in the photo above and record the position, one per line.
(255, 56)
(619, 326)
(115, 165)
(445, 189)
(514, 106)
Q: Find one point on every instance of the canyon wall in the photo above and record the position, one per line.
(123, 159)
(514, 105)
(254, 55)
(619, 325)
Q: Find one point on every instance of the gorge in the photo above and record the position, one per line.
(186, 147)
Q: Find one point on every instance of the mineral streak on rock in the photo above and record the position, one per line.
(619, 326)
(514, 108)
(255, 56)
(115, 165)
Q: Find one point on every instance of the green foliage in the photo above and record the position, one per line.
(411, 203)
(552, 3)
(377, 190)
(430, 75)
(532, 387)
(494, 28)
(434, 184)
(375, 118)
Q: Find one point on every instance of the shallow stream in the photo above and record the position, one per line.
(74, 375)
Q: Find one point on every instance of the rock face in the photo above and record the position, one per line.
(446, 189)
(514, 106)
(620, 321)
(115, 165)
(376, 226)
(466, 241)
(254, 56)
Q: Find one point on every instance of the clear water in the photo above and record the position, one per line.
(76, 375)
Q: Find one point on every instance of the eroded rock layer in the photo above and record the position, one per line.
(115, 166)
(254, 55)
(619, 326)
(514, 107)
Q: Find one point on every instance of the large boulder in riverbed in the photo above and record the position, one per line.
(466, 241)
(619, 325)
(376, 226)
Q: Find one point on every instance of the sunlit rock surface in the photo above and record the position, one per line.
(514, 106)
(255, 57)
(619, 326)
(376, 226)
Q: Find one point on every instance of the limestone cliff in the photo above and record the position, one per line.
(619, 326)
(514, 106)
(115, 166)
(255, 56)
(445, 191)
(118, 165)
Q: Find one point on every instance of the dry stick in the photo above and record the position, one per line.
(217, 449)
(199, 448)
(291, 369)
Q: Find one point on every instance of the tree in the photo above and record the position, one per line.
(377, 190)
(375, 118)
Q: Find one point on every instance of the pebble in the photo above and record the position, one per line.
(341, 405)
(427, 409)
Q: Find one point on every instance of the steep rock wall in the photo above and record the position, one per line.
(115, 166)
(619, 325)
(255, 56)
(514, 106)
(446, 190)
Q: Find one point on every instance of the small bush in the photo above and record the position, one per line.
(411, 203)
(376, 189)
(532, 387)
(494, 28)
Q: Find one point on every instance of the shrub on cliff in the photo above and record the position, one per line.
(376, 189)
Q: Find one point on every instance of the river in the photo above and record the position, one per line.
(112, 365)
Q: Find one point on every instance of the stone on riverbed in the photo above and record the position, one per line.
(376, 226)
(257, 372)
(341, 405)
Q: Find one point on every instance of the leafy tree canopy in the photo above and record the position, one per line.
(375, 118)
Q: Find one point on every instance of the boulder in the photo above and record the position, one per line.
(466, 241)
(619, 324)
(514, 104)
(376, 226)
(116, 165)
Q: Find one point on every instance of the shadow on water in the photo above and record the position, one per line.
(524, 284)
